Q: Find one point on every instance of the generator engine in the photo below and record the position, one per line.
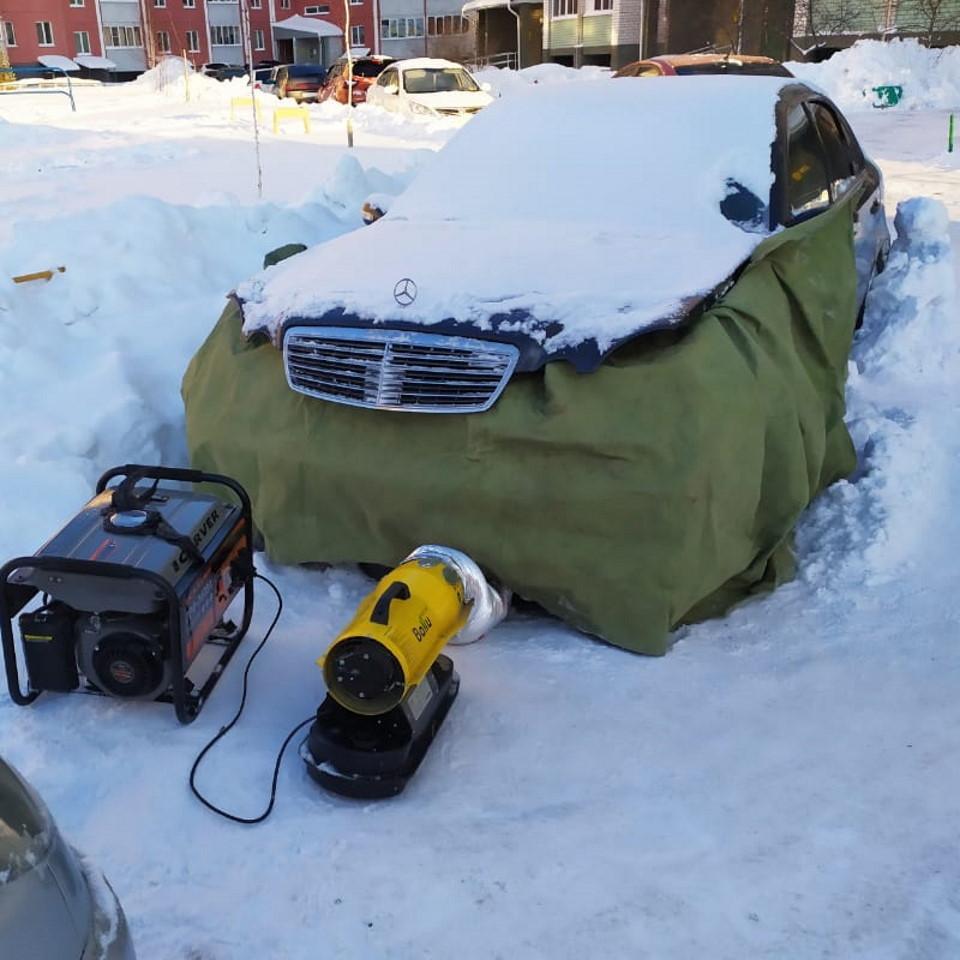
(133, 588)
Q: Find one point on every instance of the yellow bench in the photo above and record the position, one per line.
(291, 113)
(239, 102)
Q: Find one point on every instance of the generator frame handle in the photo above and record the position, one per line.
(185, 709)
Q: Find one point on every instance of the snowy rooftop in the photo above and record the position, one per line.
(595, 207)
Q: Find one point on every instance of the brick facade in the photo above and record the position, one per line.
(134, 33)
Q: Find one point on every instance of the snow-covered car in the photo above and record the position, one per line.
(638, 345)
(53, 904)
(428, 87)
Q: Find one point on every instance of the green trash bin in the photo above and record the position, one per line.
(887, 95)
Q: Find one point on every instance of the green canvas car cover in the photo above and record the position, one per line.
(660, 489)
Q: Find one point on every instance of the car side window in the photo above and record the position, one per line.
(807, 184)
(843, 163)
(387, 80)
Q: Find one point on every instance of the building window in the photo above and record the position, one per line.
(356, 3)
(225, 36)
(76, 3)
(259, 40)
(163, 41)
(284, 4)
(441, 26)
(401, 28)
(193, 41)
(189, 4)
(9, 34)
(81, 41)
(317, 10)
(45, 33)
(159, 3)
(255, 4)
(604, 5)
(357, 38)
(122, 37)
(564, 8)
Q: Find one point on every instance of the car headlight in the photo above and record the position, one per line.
(421, 109)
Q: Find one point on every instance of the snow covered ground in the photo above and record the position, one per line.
(782, 784)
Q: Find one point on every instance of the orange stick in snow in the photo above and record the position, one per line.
(42, 275)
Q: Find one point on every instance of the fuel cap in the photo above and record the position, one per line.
(128, 519)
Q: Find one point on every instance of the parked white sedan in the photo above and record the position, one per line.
(430, 88)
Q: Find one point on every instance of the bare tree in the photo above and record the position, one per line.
(936, 17)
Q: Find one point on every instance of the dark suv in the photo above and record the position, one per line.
(299, 81)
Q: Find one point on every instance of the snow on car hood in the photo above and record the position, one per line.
(563, 216)
(452, 99)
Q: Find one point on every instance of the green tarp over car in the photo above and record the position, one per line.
(658, 490)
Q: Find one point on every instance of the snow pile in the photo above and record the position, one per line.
(171, 76)
(930, 78)
(90, 363)
(511, 82)
(369, 119)
(906, 362)
(643, 230)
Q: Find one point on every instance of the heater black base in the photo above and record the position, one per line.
(371, 758)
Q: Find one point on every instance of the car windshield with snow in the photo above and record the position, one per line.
(633, 341)
(438, 81)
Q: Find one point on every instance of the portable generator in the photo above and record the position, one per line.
(133, 589)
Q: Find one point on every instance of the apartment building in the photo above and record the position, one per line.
(32, 28)
(828, 25)
(426, 28)
(133, 34)
(614, 32)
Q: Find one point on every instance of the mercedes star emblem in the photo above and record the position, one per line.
(405, 292)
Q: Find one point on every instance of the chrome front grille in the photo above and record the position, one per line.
(397, 369)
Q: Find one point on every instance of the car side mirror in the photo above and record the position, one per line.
(486, 87)
(741, 206)
(393, 90)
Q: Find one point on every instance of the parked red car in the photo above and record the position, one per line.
(365, 72)
(689, 64)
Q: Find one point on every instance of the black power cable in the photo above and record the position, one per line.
(228, 727)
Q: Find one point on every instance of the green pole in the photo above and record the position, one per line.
(950, 131)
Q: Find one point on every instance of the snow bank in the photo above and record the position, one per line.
(171, 75)
(167, 70)
(930, 78)
(905, 360)
(90, 363)
(510, 82)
